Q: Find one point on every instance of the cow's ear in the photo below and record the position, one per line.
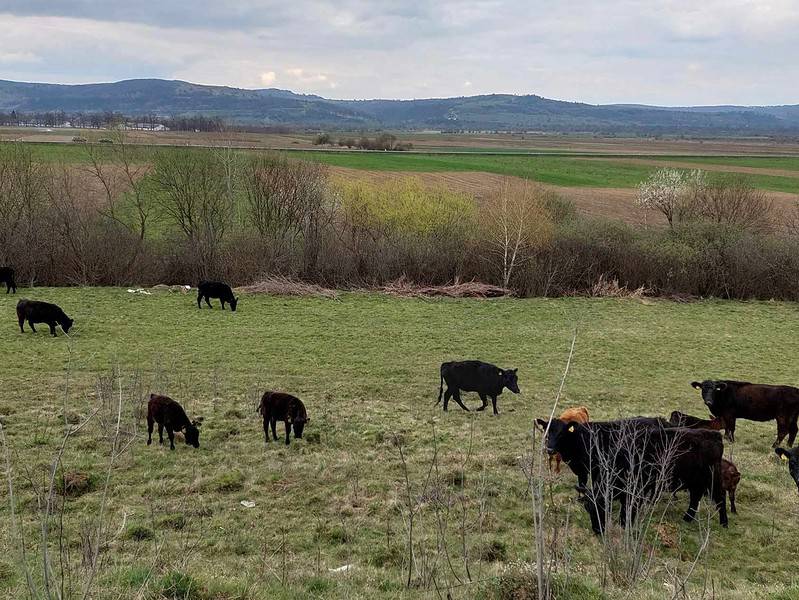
(572, 426)
(501, 372)
(513, 370)
(541, 423)
(721, 386)
(782, 453)
(696, 384)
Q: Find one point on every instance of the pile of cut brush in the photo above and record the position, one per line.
(278, 285)
(457, 289)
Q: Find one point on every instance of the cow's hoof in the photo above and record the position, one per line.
(481, 408)
(149, 442)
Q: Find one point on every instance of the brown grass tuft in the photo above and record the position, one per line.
(277, 285)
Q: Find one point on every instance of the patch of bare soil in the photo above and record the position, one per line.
(702, 166)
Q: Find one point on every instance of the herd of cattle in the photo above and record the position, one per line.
(679, 453)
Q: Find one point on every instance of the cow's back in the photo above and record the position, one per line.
(760, 402)
(471, 375)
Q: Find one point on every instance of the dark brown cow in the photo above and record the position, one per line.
(170, 415)
(731, 400)
(729, 481)
(279, 406)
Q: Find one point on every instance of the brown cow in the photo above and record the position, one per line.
(729, 481)
(579, 414)
(170, 415)
(279, 406)
(731, 400)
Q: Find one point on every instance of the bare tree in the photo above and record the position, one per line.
(515, 223)
(288, 203)
(734, 201)
(193, 194)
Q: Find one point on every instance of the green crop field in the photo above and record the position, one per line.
(366, 366)
(563, 170)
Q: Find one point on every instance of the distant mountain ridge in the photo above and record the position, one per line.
(493, 112)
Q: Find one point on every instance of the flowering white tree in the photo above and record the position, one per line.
(670, 192)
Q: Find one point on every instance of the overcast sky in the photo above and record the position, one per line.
(668, 52)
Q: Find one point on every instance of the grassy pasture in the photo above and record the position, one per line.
(367, 367)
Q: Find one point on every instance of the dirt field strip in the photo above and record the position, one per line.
(690, 165)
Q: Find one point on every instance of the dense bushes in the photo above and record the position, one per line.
(191, 215)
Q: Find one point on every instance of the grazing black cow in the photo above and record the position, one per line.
(216, 289)
(678, 419)
(34, 311)
(475, 376)
(170, 415)
(731, 400)
(792, 458)
(655, 458)
(279, 406)
(7, 277)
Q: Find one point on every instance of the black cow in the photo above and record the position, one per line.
(475, 376)
(34, 311)
(731, 400)
(656, 458)
(216, 289)
(170, 415)
(679, 419)
(279, 406)
(7, 277)
(792, 458)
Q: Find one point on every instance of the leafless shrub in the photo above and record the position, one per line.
(610, 288)
(733, 201)
(277, 285)
(469, 289)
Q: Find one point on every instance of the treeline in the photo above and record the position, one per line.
(384, 141)
(190, 215)
(111, 120)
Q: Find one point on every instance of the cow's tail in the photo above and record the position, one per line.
(440, 389)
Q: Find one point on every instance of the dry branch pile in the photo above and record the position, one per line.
(470, 289)
(278, 285)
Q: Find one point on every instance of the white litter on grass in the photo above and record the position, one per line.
(248, 504)
(140, 291)
(342, 569)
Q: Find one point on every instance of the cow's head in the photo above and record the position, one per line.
(66, 323)
(509, 379)
(711, 391)
(792, 458)
(299, 425)
(193, 433)
(233, 303)
(562, 436)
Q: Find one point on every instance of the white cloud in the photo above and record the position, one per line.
(268, 78)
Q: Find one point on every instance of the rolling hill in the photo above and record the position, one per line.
(502, 112)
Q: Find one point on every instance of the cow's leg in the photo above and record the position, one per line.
(793, 429)
(719, 497)
(595, 507)
(14, 286)
(52, 329)
(288, 431)
(494, 404)
(729, 430)
(447, 396)
(694, 496)
(149, 430)
(22, 324)
(208, 302)
(8, 287)
(199, 300)
(223, 304)
(171, 435)
(30, 324)
(266, 430)
(160, 434)
(782, 430)
(457, 397)
(274, 428)
(732, 502)
(484, 400)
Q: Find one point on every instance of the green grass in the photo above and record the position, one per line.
(560, 170)
(367, 368)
